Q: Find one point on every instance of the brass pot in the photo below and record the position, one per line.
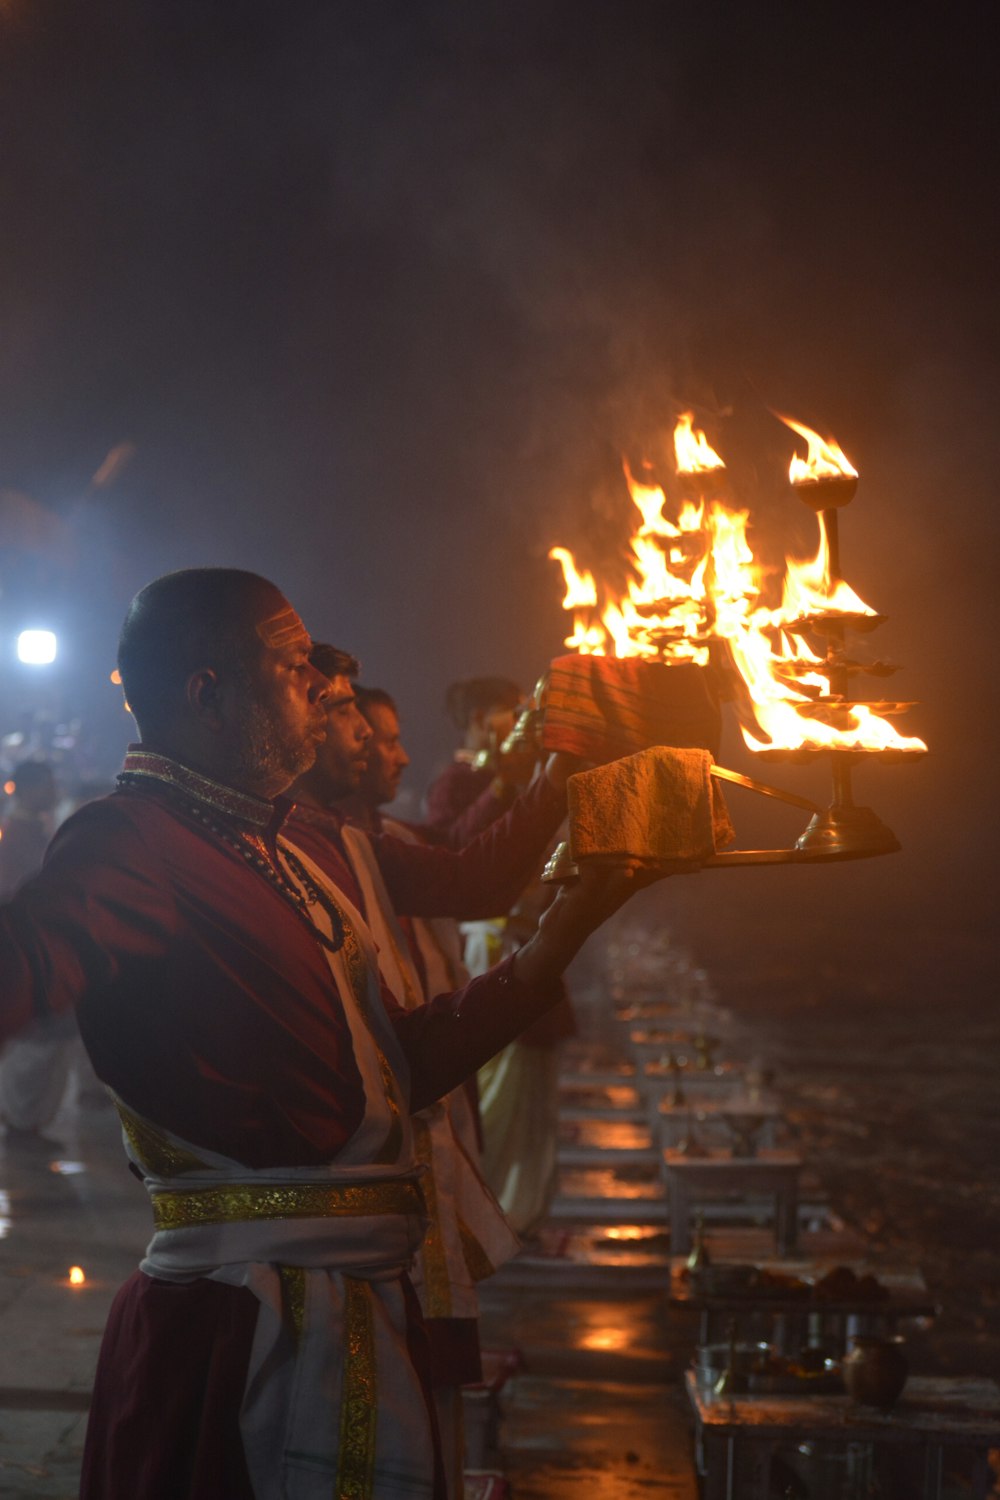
(875, 1371)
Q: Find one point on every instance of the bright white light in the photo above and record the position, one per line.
(36, 647)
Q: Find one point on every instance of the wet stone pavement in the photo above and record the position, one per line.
(74, 1205)
(899, 1129)
(598, 1409)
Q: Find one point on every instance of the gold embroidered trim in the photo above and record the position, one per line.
(412, 996)
(223, 799)
(256, 841)
(355, 962)
(177, 1208)
(153, 1150)
(391, 1147)
(293, 1297)
(436, 1301)
(477, 1261)
(359, 1405)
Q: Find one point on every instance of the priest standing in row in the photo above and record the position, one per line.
(467, 1236)
(229, 994)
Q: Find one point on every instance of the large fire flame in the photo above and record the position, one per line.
(695, 588)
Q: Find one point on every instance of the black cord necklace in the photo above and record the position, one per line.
(245, 847)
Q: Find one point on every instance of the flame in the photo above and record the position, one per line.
(692, 450)
(581, 595)
(580, 587)
(77, 1276)
(693, 580)
(824, 460)
(116, 678)
(809, 590)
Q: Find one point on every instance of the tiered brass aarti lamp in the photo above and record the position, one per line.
(826, 483)
(843, 830)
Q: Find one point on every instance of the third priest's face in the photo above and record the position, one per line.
(387, 759)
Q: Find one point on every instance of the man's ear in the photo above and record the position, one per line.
(204, 697)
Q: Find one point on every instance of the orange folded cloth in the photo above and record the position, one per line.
(660, 807)
(600, 707)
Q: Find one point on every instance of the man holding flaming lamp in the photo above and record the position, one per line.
(230, 998)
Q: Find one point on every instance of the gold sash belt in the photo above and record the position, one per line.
(186, 1208)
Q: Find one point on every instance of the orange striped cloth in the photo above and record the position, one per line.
(601, 708)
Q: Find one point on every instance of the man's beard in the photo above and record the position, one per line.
(268, 754)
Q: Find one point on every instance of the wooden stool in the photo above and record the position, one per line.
(696, 1179)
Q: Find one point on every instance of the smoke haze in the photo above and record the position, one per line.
(381, 292)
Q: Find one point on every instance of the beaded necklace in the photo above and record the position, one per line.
(248, 850)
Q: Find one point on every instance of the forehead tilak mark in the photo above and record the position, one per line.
(282, 629)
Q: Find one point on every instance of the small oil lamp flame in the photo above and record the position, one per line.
(77, 1276)
(825, 478)
(825, 459)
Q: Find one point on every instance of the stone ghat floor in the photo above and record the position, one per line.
(598, 1410)
(895, 1113)
(76, 1205)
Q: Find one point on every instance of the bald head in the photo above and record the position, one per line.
(186, 621)
(215, 667)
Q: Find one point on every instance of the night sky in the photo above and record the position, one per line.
(381, 292)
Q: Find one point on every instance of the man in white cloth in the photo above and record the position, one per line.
(467, 1236)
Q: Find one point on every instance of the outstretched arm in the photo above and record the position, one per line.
(486, 877)
(454, 1035)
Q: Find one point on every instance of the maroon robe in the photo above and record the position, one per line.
(207, 1004)
(463, 801)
